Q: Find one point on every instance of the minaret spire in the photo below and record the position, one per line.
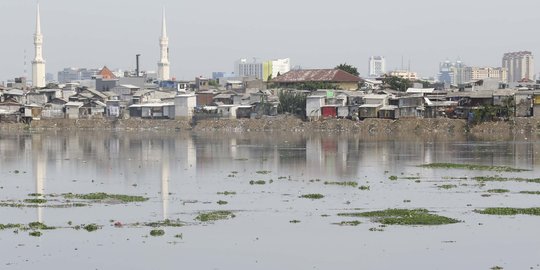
(163, 64)
(38, 64)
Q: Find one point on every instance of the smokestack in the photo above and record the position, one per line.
(138, 70)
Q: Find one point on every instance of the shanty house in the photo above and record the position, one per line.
(336, 78)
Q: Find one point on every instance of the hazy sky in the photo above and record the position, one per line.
(209, 35)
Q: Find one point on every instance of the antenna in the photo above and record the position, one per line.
(24, 65)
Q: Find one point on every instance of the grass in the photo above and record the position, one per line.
(404, 217)
(214, 216)
(39, 226)
(448, 186)
(530, 192)
(498, 191)
(348, 223)
(258, 182)
(91, 227)
(166, 223)
(506, 179)
(101, 196)
(349, 184)
(35, 234)
(471, 167)
(312, 196)
(227, 193)
(507, 211)
(36, 201)
(157, 232)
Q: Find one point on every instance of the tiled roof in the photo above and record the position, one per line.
(316, 75)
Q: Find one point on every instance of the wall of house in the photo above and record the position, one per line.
(184, 106)
(347, 85)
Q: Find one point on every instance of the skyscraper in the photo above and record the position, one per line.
(163, 64)
(38, 64)
(520, 66)
(377, 66)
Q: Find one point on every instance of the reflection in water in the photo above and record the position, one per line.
(131, 157)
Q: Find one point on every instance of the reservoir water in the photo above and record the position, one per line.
(182, 174)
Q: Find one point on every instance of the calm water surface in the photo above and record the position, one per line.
(181, 173)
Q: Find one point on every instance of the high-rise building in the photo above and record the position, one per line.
(377, 66)
(163, 64)
(520, 66)
(38, 64)
(480, 73)
(274, 68)
(76, 74)
(452, 73)
(243, 68)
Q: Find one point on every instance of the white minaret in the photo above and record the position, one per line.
(163, 64)
(38, 64)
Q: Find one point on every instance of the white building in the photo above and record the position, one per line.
(38, 64)
(481, 73)
(274, 68)
(405, 74)
(377, 66)
(243, 68)
(520, 66)
(163, 64)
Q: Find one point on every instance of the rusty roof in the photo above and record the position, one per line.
(316, 75)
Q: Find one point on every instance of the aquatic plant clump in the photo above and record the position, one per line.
(506, 179)
(166, 223)
(348, 223)
(312, 196)
(258, 182)
(157, 232)
(350, 184)
(91, 227)
(507, 211)
(404, 217)
(471, 167)
(448, 186)
(214, 216)
(498, 191)
(227, 193)
(36, 201)
(101, 196)
(530, 192)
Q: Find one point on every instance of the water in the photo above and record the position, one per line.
(181, 173)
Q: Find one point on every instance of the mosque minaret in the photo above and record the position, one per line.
(163, 64)
(38, 64)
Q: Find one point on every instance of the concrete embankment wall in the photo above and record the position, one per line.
(521, 127)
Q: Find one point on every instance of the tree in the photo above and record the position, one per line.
(348, 68)
(293, 102)
(397, 83)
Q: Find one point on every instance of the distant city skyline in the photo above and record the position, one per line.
(93, 34)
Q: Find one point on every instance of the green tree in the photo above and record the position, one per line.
(348, 68)
(293, 102)
(397, 83)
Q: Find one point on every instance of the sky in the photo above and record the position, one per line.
(209, 35)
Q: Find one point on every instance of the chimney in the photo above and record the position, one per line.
(137, 70)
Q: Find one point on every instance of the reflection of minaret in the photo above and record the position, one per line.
(38, 64)
(40, 173)
(163, 64)
(165, 171)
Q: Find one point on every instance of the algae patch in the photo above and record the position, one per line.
(508, 211)
(471, 167)
(312, 196)
(214, 216)
(104, 197)
(404, 217)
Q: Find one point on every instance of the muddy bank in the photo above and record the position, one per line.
(527, 128)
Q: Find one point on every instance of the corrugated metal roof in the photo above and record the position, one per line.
(316, 75)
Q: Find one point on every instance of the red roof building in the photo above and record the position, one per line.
(337, 78)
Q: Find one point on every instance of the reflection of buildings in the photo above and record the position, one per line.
(165, 171)
(40, 170)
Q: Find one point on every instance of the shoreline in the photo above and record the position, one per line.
(527, 128)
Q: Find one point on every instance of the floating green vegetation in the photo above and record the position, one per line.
(376, 229)
(258, 182)
(282, 177)
(181, 236)
(530, 192)
(454, 178)
(263, 172)
(35, 195)
(227, 193)
(471, 167)
(234, 172)
(411, 178)
(165, 223)
(404, 217)
(312, 196)
(242, 159)
(496, 268)
(220, 202)
(36, 205)
(348, 223)
(39, 226)
(36, 201)
(364, 188)
(506, 179)
(215, 215)
(350, 184)
(35, 234)
(295, 221)
(507, 211)
(10, 226)
(101, 196)
(447, 186)
(393, 177)
(498, 190)
(157, 232)
(91, 227)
